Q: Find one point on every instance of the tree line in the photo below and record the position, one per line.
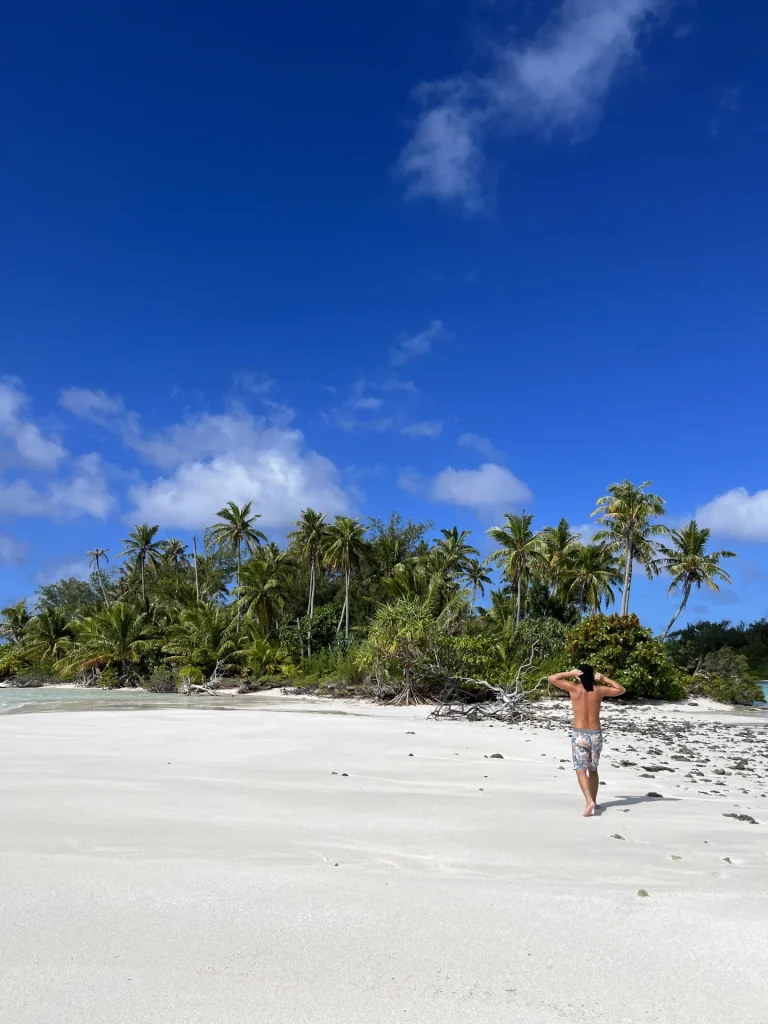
(391, 601)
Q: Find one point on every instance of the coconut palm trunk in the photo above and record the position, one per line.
(311, 607)
(518, 612)
(627, 576)
(346, 603)
(678, 613)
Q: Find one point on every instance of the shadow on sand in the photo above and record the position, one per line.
(629, 801)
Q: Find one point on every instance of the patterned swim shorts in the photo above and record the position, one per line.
(586, 746)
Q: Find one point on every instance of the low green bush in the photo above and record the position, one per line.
(627, 652)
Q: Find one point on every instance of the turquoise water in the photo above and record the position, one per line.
(765, 690)
(54, 698)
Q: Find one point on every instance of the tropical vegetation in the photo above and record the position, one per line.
(391, 608)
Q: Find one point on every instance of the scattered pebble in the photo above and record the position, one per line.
(500, 757)
(616, 836)
(742, 817)
(642, 892)
(655, 796)
(675, 857)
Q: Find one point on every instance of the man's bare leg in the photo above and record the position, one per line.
(583, 781)
(594, 782)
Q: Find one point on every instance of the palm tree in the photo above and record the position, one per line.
(50, 635)
(308, 538)
(95, 556)
(517, 554)
(203, 637)
(264, 587)
(117, 637)
(454, 546)
(142, 548)
(590, 577)
(627, 513)
(557, 545)
(690, 565)
(440, 571)
(344, 549)
(237, 531)
(475, 573)
(15, 622)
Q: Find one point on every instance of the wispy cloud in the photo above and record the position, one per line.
(12, 551)
(556, 81)
(255, 383)
(413, 345)
(426, 428)
(728, 104)
(27, 441)
(482, 445)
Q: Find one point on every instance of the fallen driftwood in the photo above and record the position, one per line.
(510, 703)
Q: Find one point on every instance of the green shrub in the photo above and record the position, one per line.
(627, 652)
(724, 675)
(162, 680)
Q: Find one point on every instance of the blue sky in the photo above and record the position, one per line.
(450, 258)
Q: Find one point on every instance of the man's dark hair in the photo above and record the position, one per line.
(587, 678)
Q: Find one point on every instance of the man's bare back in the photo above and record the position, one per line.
(587, 739)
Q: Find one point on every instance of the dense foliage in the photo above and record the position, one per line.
(390, 607)
(628, 653)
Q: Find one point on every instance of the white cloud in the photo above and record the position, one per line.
(556, 81)
(366, 402)
(415, 345)
(488, 489)
(737, 513)
(586, 531)
(427, 428)
(91, 405)
(28, 441)
(64, 570)
(12, 551)
(482, 445)
(234, 457)
(85, 493)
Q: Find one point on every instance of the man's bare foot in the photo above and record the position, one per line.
(589, 810)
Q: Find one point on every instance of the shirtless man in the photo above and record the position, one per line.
(587, 738)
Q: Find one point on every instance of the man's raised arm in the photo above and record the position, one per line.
(564, 680)
(609, 688)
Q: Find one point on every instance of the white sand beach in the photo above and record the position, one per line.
(298, 866)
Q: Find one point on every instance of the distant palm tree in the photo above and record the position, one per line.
(517, 555)
(174, 555)
(142, 548)
(628, 514)
(237, 531)
(203, 637)
(15, 622)
(95, 556)
(557, 545)
(454, 546)
(116, 637)
(265, 584)
(590, 577)
(476, 574)
(50, 635)
(344, 549)
(309, 538)
(690, 565)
